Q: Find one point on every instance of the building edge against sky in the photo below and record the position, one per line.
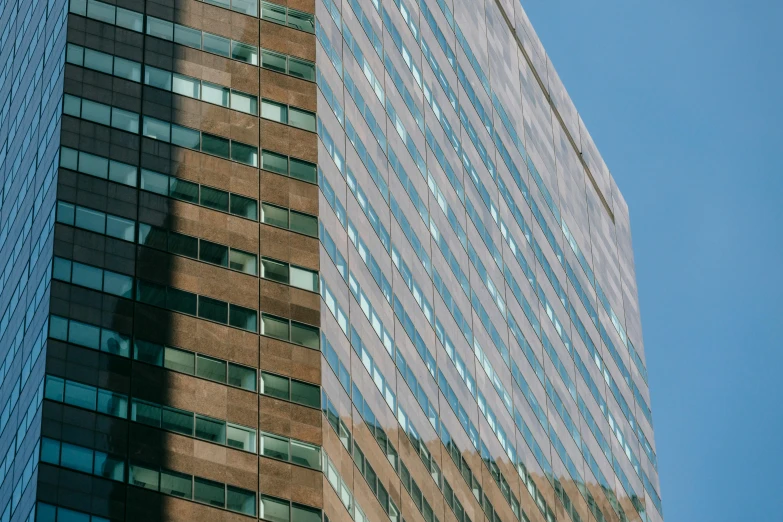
(309, 259)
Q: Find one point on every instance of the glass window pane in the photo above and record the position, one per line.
(209, 368)
(93, 165)
(244, 102)
(210, 429)
(50, 451)
(212, 493)
(215, 145)
(150, 353)
(215, 94)
(213, 309)
(274, 111)
(184, 190)
(74, 54)
(274, 162)
(91, 220)
(125, 120)
(81, 395)
(179, 360)
(186, 86)
(108, 467)
(101, 11)
(187, 36)
(181, 301)
(154, 182)
(302, 119)
(303, 170)
(176, 484)
(45, 512)
(160, 28)
(97, 112)
(301, 69)
(275, 386)
(62, 269)
(274, 271)
(242, 377)
(213, 253)
(84, 335)
(304, 279)
(152, 237)
(122, 173)
(274, 447)
(76, 457)
(305, 335)
(214, 198)
(249, 7)
(272, 215)
(244, 52)
(69, 158)
(245, 207)
(305, 455)
(217, 44)
(185, 137)
(55, 388)
(157, 78)
(183, 245)
(178, 421)
(244, 318)
(307, 394)
(304, 224)
(98, 61)
(241, 438)
(151, 294)
(143, 477)
(118, 284)
(157, 129)
(130, 19)
(301, 21)
(275, 510)
(300, 513)
(72, 106)
(273, 13)
(246, 154)
(115, 343)
(274, 327)
(243, 262)
(112, 404)
(65, 213)
(120, 228)
(127, 69)
(241, 500)
(273, 61)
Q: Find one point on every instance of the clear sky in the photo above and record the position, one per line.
(684, 99)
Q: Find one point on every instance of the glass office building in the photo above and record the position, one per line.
(309, 260)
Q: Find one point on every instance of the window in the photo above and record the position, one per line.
(244, 102)
(210, 429)
(213, 253)
(301, 21)
(182, 244)
(96, 112)
(157, 78)
(187, 36)
(209, 492)
(76, 457)
(300, 513)
(275, 510)
(179, 360)
(305, 335)
(284, 273)
(274, 447)
(130, 19)
(185, 137)
(302, 119)
(176, 484)
(186, 86)
(242, 206)
(302, 278)
(305, 454)
(215, 145)
(301, 69)
(214, 198)
(146, 413)
(274, 162)
(125, 120)
(127, 69)
(215, 94)
(241, 376)
(274, 111)
(242, 317)
(160, 28)
(304, 393)
(274, 271)
(273, 13)
(213, 309)
(275, 386)
(217, 44)
(273, 215)
(143, 477)
(246, 154)
(99, 61)
(183, 190)
(209, 368)
(273, 61)
(178, 421)
(240, 500)
(156, 129)
(80, 395)
(274, 327)
(243, 262)
(303, 170)
(241, 438)
(101, 11)
(244, 53)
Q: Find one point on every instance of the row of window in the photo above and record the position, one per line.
(184, 361)
(101, 113)
(173, 187)
(270, 12)
(50, 513)
(190, 87)
(165, 481)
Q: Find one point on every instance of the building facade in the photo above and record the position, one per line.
(309, 260)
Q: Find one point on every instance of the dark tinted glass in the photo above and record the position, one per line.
(213, 309)
(214, 198)
(213, 253)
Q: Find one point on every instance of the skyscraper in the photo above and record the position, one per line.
(309, 260)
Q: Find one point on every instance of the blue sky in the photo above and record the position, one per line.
(683, 99)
